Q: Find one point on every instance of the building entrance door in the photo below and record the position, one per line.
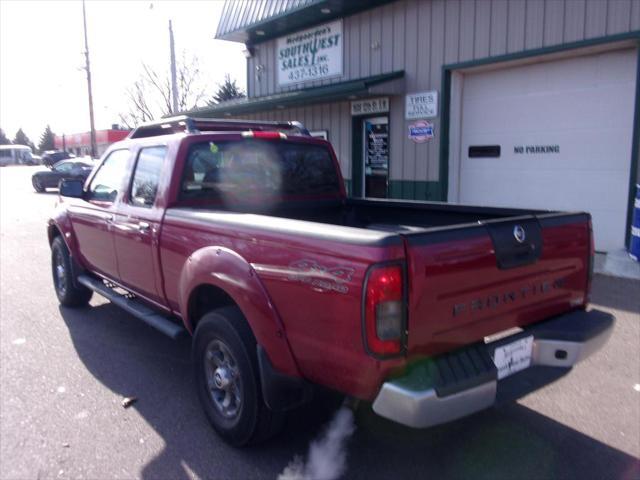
(375, 156)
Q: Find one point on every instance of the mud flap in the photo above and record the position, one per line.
(281, 392)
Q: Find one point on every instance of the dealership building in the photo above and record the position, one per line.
(521, 103)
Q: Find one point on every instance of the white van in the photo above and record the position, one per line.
(16, 155)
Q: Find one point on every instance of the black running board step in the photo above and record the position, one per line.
(134, 307)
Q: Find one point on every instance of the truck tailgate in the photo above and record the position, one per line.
(471, 281)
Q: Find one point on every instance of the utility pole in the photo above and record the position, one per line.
(88, 69)
(174, 82)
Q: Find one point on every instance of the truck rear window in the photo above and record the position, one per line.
(238, 169)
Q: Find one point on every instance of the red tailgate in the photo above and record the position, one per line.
(469, 282)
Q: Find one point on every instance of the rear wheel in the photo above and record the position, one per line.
(227, 379)
(37, 184)
(68, 293)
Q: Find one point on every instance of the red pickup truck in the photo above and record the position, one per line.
(241, 234)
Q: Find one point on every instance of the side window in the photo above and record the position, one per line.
(105, 185)
(63, 167)
(147, 176)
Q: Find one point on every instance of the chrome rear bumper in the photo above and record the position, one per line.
(560, 342)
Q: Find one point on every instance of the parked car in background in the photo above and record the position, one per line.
(51, 157)
(64, 169)
(16, 155)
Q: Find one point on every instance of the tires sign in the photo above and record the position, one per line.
(421, 105)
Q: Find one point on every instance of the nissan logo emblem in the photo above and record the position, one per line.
(519, 233)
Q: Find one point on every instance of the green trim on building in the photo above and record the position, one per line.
(535, 52)
(407, 190)
(635, 152)
(356, 157)
(415, 190)
(347, 186)
(443, 174)
(326, 93)
(241, 25)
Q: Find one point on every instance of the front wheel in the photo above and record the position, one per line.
(69, 295)
(37, 184)
(227, 379)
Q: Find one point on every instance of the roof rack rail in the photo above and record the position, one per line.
(184, 123)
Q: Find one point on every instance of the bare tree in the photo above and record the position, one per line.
(150, 95)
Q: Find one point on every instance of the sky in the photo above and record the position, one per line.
(42, 76)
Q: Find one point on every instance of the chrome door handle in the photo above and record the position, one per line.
(143, 227)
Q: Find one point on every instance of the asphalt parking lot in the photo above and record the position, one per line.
(63, 374)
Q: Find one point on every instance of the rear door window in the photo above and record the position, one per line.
(147, 176)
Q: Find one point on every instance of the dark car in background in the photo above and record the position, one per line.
(62, 170)
(51, 157)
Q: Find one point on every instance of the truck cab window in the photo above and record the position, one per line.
(147, 176)
(232, 169)
(107, 182)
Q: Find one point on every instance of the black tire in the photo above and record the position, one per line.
(37, 184)
(69, 295)
(252, 421)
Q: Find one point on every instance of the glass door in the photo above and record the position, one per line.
(375, 154)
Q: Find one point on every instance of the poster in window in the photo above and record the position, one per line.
(377, 145)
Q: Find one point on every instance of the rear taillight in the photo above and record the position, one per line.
(384, 310)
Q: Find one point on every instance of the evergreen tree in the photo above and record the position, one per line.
(22, 139)
(4, 140)
(47, 140)
(226, 91)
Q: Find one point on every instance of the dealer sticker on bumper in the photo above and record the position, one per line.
(513, 357)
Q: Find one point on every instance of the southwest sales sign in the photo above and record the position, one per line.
(309, 55)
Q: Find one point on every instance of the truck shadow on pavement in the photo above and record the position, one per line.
(511, 441)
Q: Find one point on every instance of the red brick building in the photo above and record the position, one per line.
(80, 143)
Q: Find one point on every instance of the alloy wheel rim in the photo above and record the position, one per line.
(223, 379)
(59, 274)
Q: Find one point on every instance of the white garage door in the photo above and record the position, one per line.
(564, 129)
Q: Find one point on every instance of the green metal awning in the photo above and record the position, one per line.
(384, 84)
(255, 21)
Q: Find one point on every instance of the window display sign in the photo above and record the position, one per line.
(312, 54)
(376, 145)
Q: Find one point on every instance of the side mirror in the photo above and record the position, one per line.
(71, 188)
